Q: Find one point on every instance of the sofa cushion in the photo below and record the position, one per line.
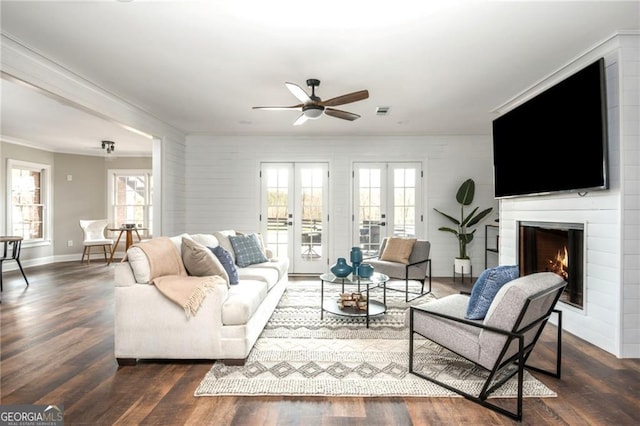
(243, 301)
(223, 240)
(177, 241)
(226, 260)
(440, 330)
(208, 240)
(486, 287)
(248, 249)
(280, 265)
(200, 261)
(267, 275)
(398, 249)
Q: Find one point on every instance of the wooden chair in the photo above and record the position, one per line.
(93, 231)
(502, 342)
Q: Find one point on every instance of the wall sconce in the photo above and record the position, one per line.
(109, 146)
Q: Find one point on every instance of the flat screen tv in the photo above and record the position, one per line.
(556, 141)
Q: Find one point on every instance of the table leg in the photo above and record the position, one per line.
(384, 294)
(115, 247)
(129, 239)
(367, 305)
(321, 299)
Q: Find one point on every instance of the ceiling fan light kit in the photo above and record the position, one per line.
(313, 107)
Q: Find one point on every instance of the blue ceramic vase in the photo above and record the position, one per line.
(356, 258)
(365, 270)
(341, 268)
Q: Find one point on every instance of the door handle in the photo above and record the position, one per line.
(289, 223)
(383, 223)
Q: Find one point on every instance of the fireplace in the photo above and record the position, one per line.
(555, 247)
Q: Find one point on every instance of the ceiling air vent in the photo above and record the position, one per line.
(382, 110)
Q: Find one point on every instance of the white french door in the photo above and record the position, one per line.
(294, 213)
(387, 202)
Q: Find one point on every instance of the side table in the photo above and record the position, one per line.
(128, 239)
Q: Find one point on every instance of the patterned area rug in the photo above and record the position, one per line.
(300, 354)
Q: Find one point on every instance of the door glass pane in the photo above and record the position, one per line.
(369, 214)
(404, 202)
(312, 212)
(277, 210)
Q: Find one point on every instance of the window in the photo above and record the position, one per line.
(29, 200)
(130, 195)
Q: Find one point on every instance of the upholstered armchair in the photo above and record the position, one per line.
(404, 259)
(499, 341)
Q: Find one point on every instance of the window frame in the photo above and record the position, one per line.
(112, 175)
(45, 199)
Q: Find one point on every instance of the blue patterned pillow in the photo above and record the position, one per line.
(248, 249)
(225, 258)
(486, 287)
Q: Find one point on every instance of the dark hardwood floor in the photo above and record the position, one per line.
(57, 348)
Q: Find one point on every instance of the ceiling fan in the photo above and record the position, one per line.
(313, 107)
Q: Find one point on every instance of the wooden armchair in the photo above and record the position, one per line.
(501, 342)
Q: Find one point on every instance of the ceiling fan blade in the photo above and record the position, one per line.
(298, 92)
(279, 108)
(300, 120)
(346, 99)
(345, 115)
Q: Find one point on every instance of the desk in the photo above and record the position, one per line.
(14, 254)
(128, 240)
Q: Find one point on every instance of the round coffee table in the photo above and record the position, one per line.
(373, 307)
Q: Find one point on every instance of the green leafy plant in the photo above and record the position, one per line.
(462, 232)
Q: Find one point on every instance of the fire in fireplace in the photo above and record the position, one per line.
(555, 247)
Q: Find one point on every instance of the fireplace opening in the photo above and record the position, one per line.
(558, 248)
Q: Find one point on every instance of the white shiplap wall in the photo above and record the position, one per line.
(173, 184)
(223, 189)
(612, 305)
(630, 182)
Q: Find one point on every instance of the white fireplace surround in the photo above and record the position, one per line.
(611, 319)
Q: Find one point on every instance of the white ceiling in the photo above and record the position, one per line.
(442, 66)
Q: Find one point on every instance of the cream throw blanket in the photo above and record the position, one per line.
(170, 277)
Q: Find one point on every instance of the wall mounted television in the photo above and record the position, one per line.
(555, 141)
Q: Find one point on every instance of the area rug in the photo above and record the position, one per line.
(299, 354)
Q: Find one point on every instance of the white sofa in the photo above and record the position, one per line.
(227, 324)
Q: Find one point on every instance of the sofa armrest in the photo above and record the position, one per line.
(123, 275)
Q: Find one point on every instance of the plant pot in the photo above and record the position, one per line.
(462, 266)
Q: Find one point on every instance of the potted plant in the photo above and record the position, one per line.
(462, 231)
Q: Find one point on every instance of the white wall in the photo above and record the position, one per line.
(223, 189)
(629, 90)
(612, 305)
